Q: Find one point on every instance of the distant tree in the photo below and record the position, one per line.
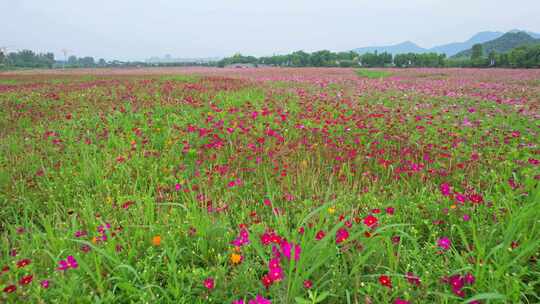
(86, 62)
(300, 59)
(2, 58)
(102, 62)
(73, 61)
(502, 60)
(477, 51)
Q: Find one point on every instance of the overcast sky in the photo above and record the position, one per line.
(139, 29)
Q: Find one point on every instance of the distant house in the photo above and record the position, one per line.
(241, 65)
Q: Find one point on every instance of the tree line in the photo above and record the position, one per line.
(527, 56)
(30, 59)
(27, 59)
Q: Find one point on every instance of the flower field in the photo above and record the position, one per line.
(270, 185)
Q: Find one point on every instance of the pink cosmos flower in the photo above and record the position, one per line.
(342, 235)
(445, 189)
(68, 263)
(286, 248)
(260, 300)
(209, 283)
(444, 243)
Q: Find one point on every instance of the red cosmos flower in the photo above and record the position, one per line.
(308, 284)
(412, 279)
(266, 238)
(209, 283)
(370, 221)
(390, 210)
(342, 235)
(320, 235)
(127, 204)
(23, 262)
(476, 198)
(266, 280)
(26, 280)
(10, 288)
(385, 280)
(4, 269)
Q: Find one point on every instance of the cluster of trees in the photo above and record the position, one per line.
(27, 59)
(526, 56)
(342, 59)
(420, 60)
(322, 58)
(83, 62)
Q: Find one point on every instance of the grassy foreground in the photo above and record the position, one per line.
(211, 189)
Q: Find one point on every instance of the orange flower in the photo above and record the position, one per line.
(156, 240)
(236, 258)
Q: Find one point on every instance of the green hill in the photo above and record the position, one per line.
(503, 44)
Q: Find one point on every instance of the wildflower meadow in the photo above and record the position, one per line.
(270, 185)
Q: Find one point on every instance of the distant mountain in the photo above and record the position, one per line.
(404, 47)
(503, 44)
(451, 49)
(534, 35)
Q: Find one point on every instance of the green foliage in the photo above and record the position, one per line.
(420, 60)
(28, 59)
(322, 58)
(373, 73)
(477, 51)
(128, 140)
(375, 59)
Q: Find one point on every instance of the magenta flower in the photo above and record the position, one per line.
(68, 263)
(260, 300)
(401, 301)
(209, 283)
(242, 239)
(45, 284)
(342, 235)
(413, 279)
(286, 248)
(444, 243)
(445, 189)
